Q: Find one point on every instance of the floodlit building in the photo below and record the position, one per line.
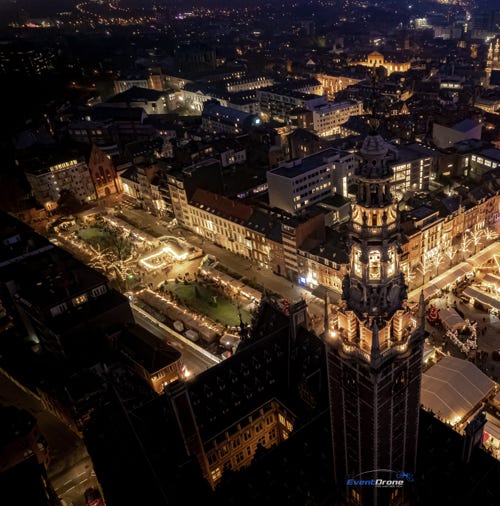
(375, 346)
(49, 178)
(325, 119)
(376, 59)
(333, 84)
(299, 184)
(103, 172)
(278, 102)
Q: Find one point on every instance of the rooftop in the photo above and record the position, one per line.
(465, 126)
(301, 166)
(212, 201)
(453, 388)
(136, 94)
(146, 349)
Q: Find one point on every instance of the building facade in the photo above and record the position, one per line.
(302, 183)
(376, 59)
(278, 102)
(102, 171)
(216, 118)
(325, 119)
(333, 84)
(48, 181)
(375, 347)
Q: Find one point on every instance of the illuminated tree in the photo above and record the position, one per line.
(424, 266)
(465, 243)
(436, 260)
(98, 259)
(476, 236)
(409, 275)
(450, 252)
(490, 233)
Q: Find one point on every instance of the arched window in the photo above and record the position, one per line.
(374, 265)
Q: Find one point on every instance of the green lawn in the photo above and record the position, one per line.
(224, 311)
(96, 236)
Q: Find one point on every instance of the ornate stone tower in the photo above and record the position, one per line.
(375, 351)
(493, 59)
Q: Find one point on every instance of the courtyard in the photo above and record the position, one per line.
(206, 300)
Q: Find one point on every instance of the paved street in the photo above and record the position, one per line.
(70, 470)
(488, 333)
(263, 277)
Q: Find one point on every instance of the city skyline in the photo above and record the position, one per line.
(249, 253)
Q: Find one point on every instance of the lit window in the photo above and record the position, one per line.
(216, 474)
(357, 262)
(81, 299)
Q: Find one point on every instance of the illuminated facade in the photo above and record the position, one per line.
(301, 183)
(374, 349)
(142, 184)
(102, 171)
(278, 102)
(235, 447)
(247, 84)
(325, 119)
(237, 227)
(493, 59)
(48, 182)
(333, 84)
(434, 242)
(376, 59)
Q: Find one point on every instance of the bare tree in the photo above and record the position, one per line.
(409, 275)
(490, 233)
(450, 252)
(436, 260)
(98, 259)
(424, 266)
(465, 243)
(476, 236)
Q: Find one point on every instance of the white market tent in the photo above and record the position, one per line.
(451, 319)
(482, 297)
(491, 279)
(442, 281)
(488, 256)
(493, 430)
(452, 275)
(454, 388)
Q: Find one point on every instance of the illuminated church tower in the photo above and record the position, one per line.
(375, 349)
(493, 59)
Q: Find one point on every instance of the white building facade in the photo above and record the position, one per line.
(72, 175)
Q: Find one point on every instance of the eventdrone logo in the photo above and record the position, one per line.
(394, 479)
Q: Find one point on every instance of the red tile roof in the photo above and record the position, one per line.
(223, 204)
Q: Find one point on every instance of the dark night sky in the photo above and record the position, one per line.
(38, 8)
